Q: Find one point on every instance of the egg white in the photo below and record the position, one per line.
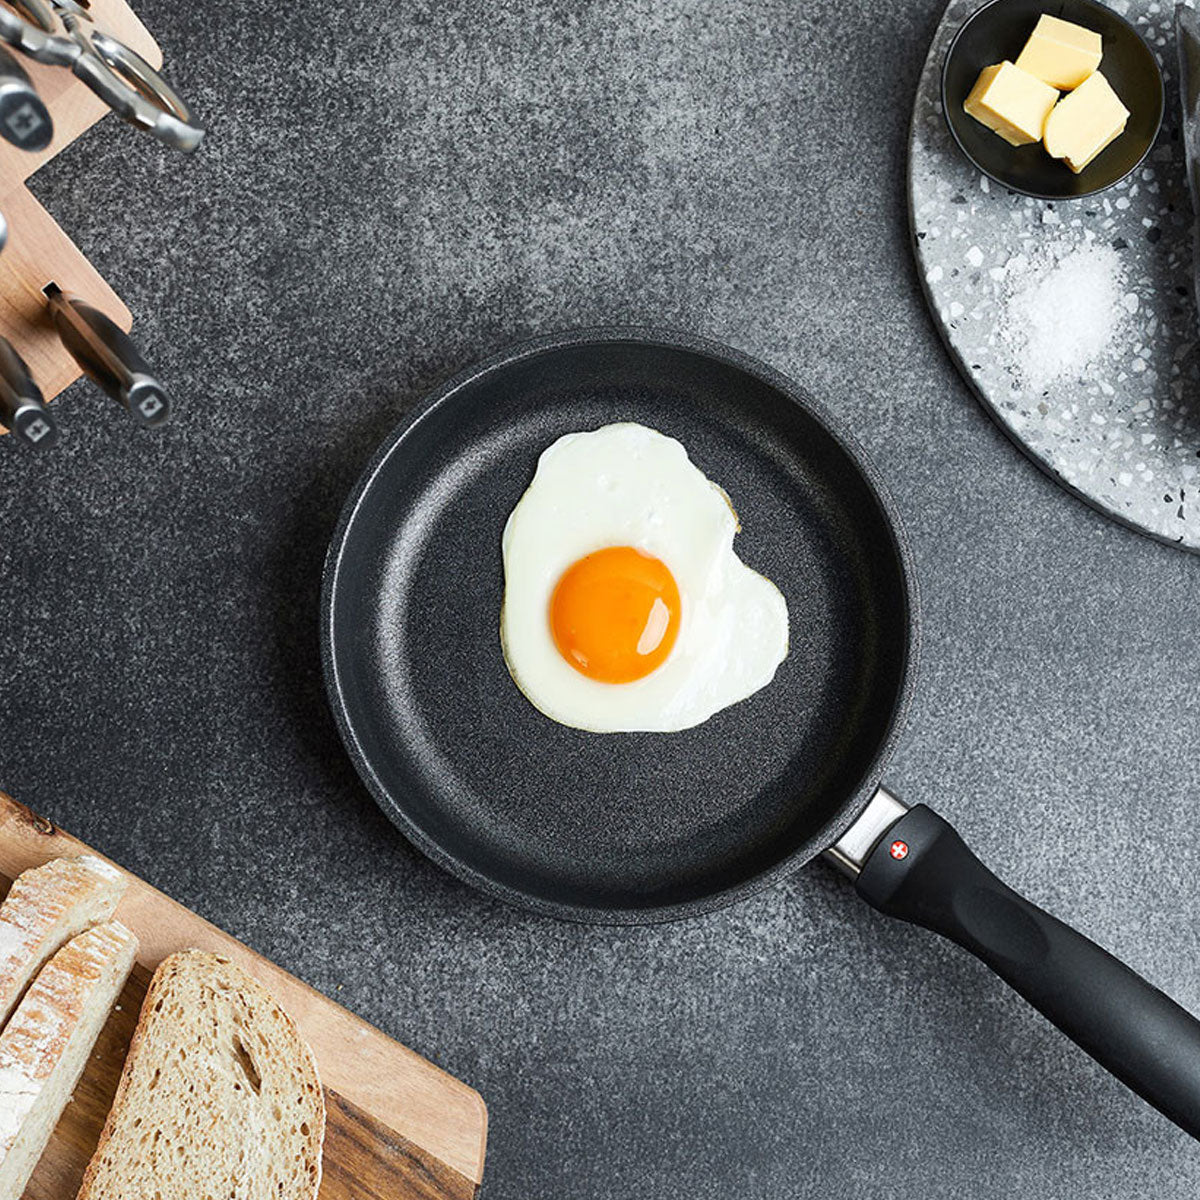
(628, 485)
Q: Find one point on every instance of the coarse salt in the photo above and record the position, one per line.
(1061, 312)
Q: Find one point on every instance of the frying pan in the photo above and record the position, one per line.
(648, 827)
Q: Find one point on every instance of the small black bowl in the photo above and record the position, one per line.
(998, 31)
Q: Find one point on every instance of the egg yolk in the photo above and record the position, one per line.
(615, 614)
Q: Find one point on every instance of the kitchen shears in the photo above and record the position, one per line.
(64, 33)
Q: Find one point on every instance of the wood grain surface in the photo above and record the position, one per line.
(38, 251)
(399, 1128)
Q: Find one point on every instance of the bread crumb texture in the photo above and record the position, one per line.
(219, 1098)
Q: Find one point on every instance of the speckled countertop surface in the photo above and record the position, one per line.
(390, 194)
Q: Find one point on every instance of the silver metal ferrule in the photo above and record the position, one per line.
(854, 847)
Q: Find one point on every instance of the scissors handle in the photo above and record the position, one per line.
(63, 33)
(129, 85)
(35, 28)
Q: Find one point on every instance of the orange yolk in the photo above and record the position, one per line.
(615, 614)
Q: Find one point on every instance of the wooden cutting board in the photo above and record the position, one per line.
(398, 1127)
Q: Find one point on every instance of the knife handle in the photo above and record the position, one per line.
(108, 357)
(22, 410)
(24, 119)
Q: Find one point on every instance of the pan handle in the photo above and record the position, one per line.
(921, 871)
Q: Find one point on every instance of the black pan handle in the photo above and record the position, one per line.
(921, 871)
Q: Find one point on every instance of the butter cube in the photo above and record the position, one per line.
(1084, 122)
(1011, 102)
(1060, 53)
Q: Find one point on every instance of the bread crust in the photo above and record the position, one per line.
(44, 909)
(222, 975)
(45, 1046)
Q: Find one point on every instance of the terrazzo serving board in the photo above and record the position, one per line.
(1122, 431)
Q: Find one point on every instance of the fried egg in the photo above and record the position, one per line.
(625, 606)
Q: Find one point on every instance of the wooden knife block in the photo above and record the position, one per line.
(38, 251)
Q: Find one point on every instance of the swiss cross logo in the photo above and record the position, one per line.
(24, 122)
(899, 849)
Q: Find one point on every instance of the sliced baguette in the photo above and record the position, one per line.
(44, 909)
(219, 1097)
(46, 1044)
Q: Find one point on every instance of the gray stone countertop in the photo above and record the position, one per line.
(389, 193)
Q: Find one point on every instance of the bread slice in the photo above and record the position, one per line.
(46, 1044)
(44, 909)
(219, 1097)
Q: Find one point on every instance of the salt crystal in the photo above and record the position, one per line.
(975, 256)
(1062, 313)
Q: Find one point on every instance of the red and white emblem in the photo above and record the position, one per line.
(899, 849)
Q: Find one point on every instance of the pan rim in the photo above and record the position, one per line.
(665, 338)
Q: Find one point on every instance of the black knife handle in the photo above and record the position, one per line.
(23, 412)
(24, 119)
(109, 358)
(921, 871)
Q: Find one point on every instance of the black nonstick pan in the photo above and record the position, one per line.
(625, 828)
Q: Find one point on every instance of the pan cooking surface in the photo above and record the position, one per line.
(612, 826)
